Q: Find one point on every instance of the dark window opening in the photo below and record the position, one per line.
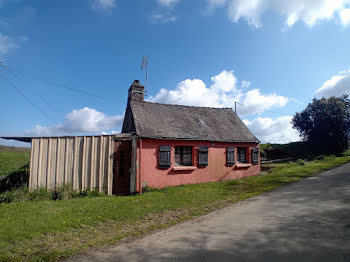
(164, 157)
(183, 155)
(242, 155)
(230, 156)
(203, 156)
(255, 156)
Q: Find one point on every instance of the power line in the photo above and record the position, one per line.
(76, 90)
(14, 87)
(264, 110)
(9, 69)
(52, 83)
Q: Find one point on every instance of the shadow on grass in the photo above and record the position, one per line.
(15, 179)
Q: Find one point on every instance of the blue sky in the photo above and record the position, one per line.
(264, 54)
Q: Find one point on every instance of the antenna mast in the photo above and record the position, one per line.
(143, 66)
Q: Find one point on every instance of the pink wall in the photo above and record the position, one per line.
(215, 171)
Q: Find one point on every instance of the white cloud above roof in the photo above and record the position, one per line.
(223, 92)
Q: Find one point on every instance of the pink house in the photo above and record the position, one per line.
(161, 145)
(177, 145)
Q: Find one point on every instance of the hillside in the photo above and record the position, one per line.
(13, 158)
(14, 149)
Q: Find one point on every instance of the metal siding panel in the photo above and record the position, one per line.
(100, 164)
(33, 179)
(61, 157)
(70, 161)
(110, 167)
(66, 142)
(39, 162)
(75, 168)
(88, 163)
(80, 161)
(106, 163)
(52, 165)
(48, 169)
(92, 164)
(58, 164)
(43, 163)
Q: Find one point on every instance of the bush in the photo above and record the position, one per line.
(147, 189)
(321, 157)
(63, 192)
(300, 162)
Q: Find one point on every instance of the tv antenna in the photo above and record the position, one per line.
(144, 65)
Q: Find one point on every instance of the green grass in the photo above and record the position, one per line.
(49, 230)
(12, 161)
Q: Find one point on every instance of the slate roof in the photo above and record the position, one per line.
(153, 120)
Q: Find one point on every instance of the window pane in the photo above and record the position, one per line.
(187, 159)
(242, 154)
(183, 155)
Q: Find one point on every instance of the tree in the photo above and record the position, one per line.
(324, 124)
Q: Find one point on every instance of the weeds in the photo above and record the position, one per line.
(63, 192)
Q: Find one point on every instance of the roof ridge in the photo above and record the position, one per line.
(183, 105)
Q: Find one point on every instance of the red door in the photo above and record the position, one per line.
(121, 167)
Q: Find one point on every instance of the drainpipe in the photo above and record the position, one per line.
(140, 167)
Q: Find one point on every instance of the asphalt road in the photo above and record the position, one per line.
(306, 221)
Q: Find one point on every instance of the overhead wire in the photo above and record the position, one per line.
(32, 103)
(52, 83)
(76, 90)
(22, 94)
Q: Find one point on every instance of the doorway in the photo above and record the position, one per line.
(121, 167)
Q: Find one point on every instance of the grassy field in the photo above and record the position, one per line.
(13, 158)
(49, 230)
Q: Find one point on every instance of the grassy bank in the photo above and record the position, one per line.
(48, 230)
(12, 161)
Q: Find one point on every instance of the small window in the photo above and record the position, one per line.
(255, 157)
(164, 157)
(183, 155)
(203, 156)
(242, 155)
(230, 156)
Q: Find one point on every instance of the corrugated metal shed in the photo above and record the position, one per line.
(85, 162)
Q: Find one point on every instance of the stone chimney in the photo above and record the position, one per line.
(136, 92)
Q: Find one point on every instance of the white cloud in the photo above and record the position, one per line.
(103, 5)
(310, 11)
(7, 44)
(165, 12)
(245, 84)
(79, 120)
(277, 130)
(345, 16)
(163, 18)
(167, 3)
(338, 85)
(222, 93)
